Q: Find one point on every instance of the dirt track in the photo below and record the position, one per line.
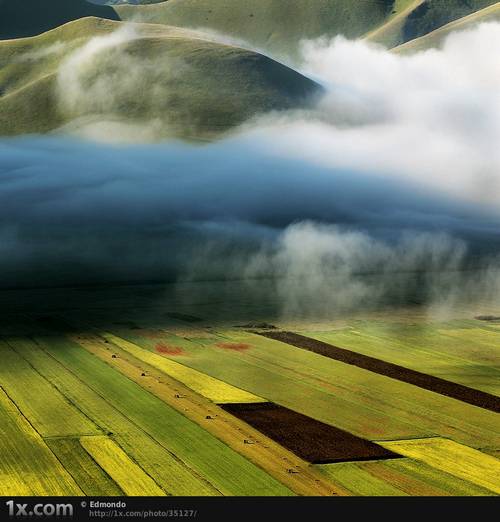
(428, 382)
(311, 440)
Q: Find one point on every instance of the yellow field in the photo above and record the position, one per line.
(451, 457)
(89, 476)
(214, 389)
(47, 409)
(27, 466)
(399, 477)
(115, 462)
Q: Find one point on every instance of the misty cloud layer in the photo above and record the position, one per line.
(397, 172)
(431, 117)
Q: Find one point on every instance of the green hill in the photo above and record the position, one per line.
(436, 38)
(432, 14)
(179, 81)
(115, 2)
(418, 18)
(190, 87)
(276, 26)
(391, 32)
(20, 18)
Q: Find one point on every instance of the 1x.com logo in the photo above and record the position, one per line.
(39, 510)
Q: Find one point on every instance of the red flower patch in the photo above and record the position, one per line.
(237, 347)
(168, 349)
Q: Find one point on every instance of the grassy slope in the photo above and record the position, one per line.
(434, 14)
(437, 37)
(22, 18)
(206, 86)
(391, 32)
(262, 24)
(416, 18)
(274, 25)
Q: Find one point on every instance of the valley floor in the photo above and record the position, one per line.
(205, 389)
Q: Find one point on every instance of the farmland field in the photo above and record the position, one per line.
(147, 400)
(115, 462)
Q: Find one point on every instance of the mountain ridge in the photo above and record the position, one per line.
(197, 87)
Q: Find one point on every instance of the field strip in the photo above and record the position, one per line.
(280, 463)
(89, 476)
(152, 456)
(214, 389)
(27, 465)
(426, 351)
(131, 478)
(43, 405)
(359, 482)
(449, 456)
(482, 337)
(428, 382)
(410, 350)
(312, 440)
(399, 477)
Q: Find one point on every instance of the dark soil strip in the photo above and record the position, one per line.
(260, 326)
(492, 318)
(184, 317)
(310, 439)
(428, 382)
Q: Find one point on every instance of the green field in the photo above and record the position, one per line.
(91, 478)
(131, 479)
(28, 467)
(172, 430)
(360, 401)
(462, 351)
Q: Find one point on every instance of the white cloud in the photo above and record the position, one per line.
(431, 118)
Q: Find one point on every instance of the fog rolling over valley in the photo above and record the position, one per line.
(248, 248)
(327, 172)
